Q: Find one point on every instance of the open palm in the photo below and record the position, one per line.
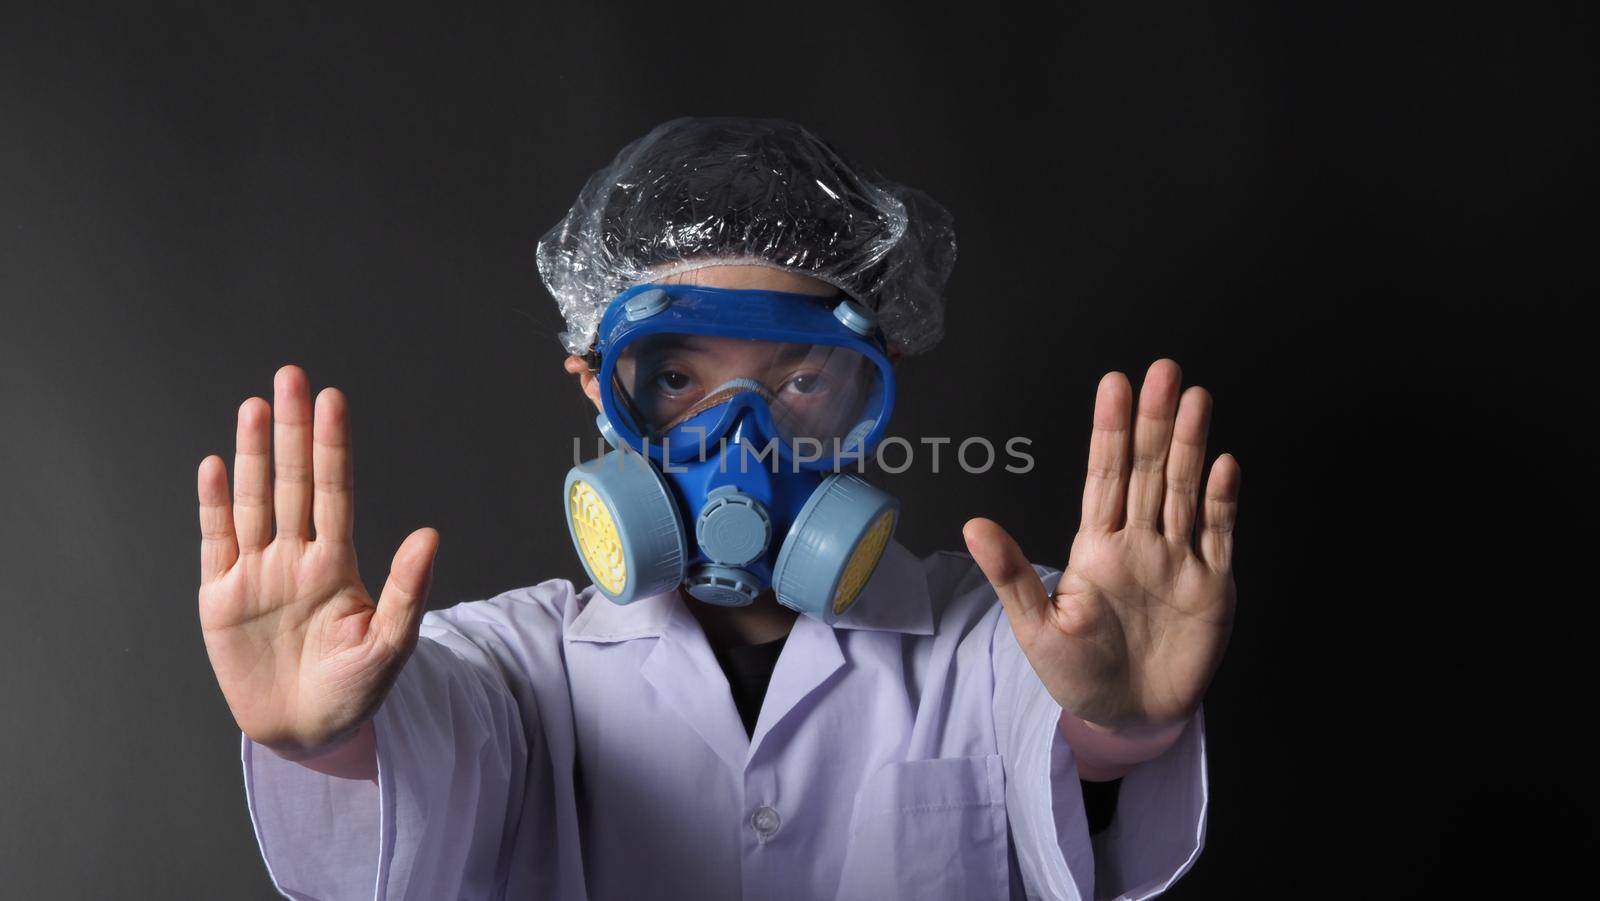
(1141, 615)
(302, 653)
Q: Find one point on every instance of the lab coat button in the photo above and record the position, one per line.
(765, 822)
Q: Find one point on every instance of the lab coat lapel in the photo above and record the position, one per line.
(687, 678)
(810, 656)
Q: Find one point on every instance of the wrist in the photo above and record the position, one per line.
(352, 756)
(1104, 753)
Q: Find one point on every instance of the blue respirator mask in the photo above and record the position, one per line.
(730, 413)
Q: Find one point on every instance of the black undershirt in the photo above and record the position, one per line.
(749, 670)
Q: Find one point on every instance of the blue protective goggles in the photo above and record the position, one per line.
(686, 368)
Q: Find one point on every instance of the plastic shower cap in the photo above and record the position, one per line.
(699, 191)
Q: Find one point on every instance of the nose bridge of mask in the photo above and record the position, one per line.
(722, 394)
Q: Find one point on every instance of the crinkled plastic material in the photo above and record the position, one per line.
(697, 191)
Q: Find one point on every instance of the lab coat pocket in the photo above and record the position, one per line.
(929, 829)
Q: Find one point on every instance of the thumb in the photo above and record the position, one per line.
(1026, 602)
(400, 607)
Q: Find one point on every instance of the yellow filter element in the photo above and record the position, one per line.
(863, 561)
(596, 531)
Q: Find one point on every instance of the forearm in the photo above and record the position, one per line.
(1105, 754)
(355, 757)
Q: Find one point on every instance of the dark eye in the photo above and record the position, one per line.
(672, 382)
(807, 383)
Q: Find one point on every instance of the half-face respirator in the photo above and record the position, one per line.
(731, 413)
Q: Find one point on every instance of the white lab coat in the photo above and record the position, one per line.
(547, 743)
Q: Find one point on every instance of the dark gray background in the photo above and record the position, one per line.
(1365, 229)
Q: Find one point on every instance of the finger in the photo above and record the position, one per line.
(400, 606)
(1185, 464)
(252, 504)
(333, 501)
(291, 451)
(1105, 488)
(1222, 506)
(1152, 433)
(1026, 602)
(218, 549)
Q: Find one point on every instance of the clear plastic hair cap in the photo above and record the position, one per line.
(727, 190)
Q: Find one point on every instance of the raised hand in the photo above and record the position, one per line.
(303, 655)
(1143, 609)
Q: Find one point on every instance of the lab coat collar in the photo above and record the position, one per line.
(682, 664)
(895, 599)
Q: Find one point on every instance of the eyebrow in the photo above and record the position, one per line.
(795, 352)
(669, 341)
(656, 347)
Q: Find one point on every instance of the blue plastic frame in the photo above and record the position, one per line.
(736, 313)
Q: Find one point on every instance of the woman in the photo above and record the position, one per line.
(713, 719)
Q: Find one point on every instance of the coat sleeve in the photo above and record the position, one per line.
(1158, 829)
(457, 808)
